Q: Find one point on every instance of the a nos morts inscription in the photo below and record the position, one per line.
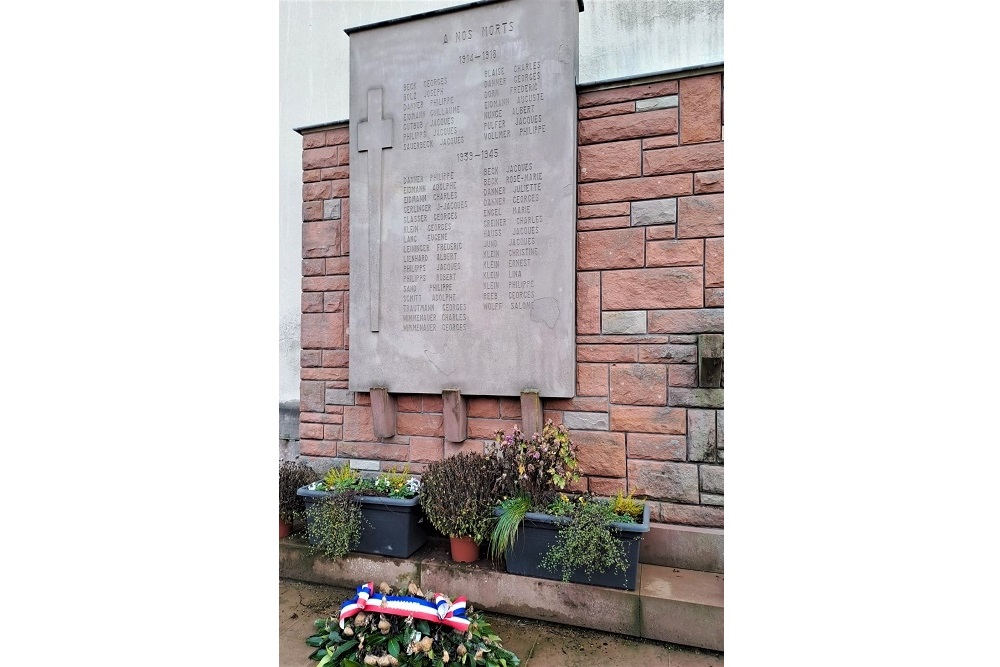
(463, 201)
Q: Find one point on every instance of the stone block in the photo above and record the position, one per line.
(651, 104)
(664, 480)
(710, 360)
(456, 416)
(588, 302)
(715, 297)
(709, 181)
(311, 396)
(714, 261)
(607, 352)
(685, 547)
(532, 417)
(339, 397)
(587, 421)
(682, 375)
(671, 287)
(312, 302)
(639, 384)
(322, 330)
(695, 398)
(378, 451)
(605, 110)
(383, 412)
(701, 320)
(683, 607)
(417, 423)
(358, 423)
(600, 453)
(631, 189)
(668, 353)
(320, 239)
(592, 379)
(623, 322)
(700, 216)
(718, 427)
(600, 162)
(690, 252)
(654, 212)
(701, 435)
(712, 479)
(697, 157)
(656, 447)
(610, 249)
(331, 209)
(626, 93)
(627, 126)
(701, 109)
(607, 486)
(712, 499)
(641, 419)
(426, 450)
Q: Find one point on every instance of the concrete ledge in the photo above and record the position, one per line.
(684, 547)
(671, 604)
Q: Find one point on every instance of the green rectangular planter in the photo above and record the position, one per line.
(389, 526)
(538, 533)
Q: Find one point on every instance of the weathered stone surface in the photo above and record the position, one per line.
(631, 189)
(317, 448)
(705, 320)
(712, 499)
(594, 224)
(456, 416)
(701, 109)
(621, 159)
(317, 191)
(426, 450)
(603, 210)
(607, 353)
(712, 479)
(381, 451)
(339, 397)
(685, 547)
(711, 355)
(709, 181)
(312, 210)
(700, 216)
(690, 515)
(715, 297)
(696, 398)
(672, 287)
(331, 209)
(312, 302)
(532, 415)
(623, 322)
(661, 232)
(629, 126)
(311, 396)
(510, 407)
(714, 275)
(322, 330)
(592, 379)
(668, 353)
(326, 284)
(605, 110)
(309, 431)
(383, 412)
(664, 480)
(626, 93)
(654, 212)
(409, 423)
(648, 419)
(310, 358)
(651, 143)
(701, 435)
(600, 453)
(358, 423)
(719, 428)
(639, 384)
(320, 239)
(483, 407)
(675, 253)
(656, 447)
(588, 303)
(653, 103)
(589, 421)
(313, 140)
(337, 136)
(315, 158)
(682, 375)
(610, 249)
(696, 157)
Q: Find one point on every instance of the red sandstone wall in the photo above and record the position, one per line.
(647, 285)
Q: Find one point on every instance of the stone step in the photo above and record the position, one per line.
(671, 604)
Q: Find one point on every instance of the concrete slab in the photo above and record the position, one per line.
(682, 606)
(684, 547)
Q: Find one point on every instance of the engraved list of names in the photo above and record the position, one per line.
(463, 200)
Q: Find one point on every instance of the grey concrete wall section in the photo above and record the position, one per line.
(463, 201)
(684, 547)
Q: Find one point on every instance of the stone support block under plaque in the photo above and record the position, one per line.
(531, 413)
(456, 416)
(383, 413)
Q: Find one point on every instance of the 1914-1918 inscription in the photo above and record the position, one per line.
(463, 200)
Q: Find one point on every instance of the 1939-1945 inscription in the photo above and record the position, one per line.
(463, 201)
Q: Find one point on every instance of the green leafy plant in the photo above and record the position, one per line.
(587, 543)
(627, 506)
(292, 475)
(392, 483)
(513, 511)
(458, 494)
(387, 640)
(334, 524)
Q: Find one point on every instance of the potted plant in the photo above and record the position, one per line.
(291, 476)
(458, 495)
(390, 517)
(542, 532)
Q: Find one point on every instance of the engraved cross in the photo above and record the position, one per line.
(374, 134)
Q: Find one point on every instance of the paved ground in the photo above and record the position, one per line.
(538, 644)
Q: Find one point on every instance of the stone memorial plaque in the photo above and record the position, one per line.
(463, 200)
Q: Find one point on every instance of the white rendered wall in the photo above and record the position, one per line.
(618, 38)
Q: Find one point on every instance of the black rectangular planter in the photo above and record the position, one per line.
(389, 526)
(537, 535)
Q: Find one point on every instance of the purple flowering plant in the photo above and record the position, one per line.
(538, 465)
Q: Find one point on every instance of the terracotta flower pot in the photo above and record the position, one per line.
(284, 529)
(464, 550)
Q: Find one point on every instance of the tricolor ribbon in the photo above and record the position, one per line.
(442, 611)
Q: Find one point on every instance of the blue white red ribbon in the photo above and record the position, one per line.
(442, 610)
